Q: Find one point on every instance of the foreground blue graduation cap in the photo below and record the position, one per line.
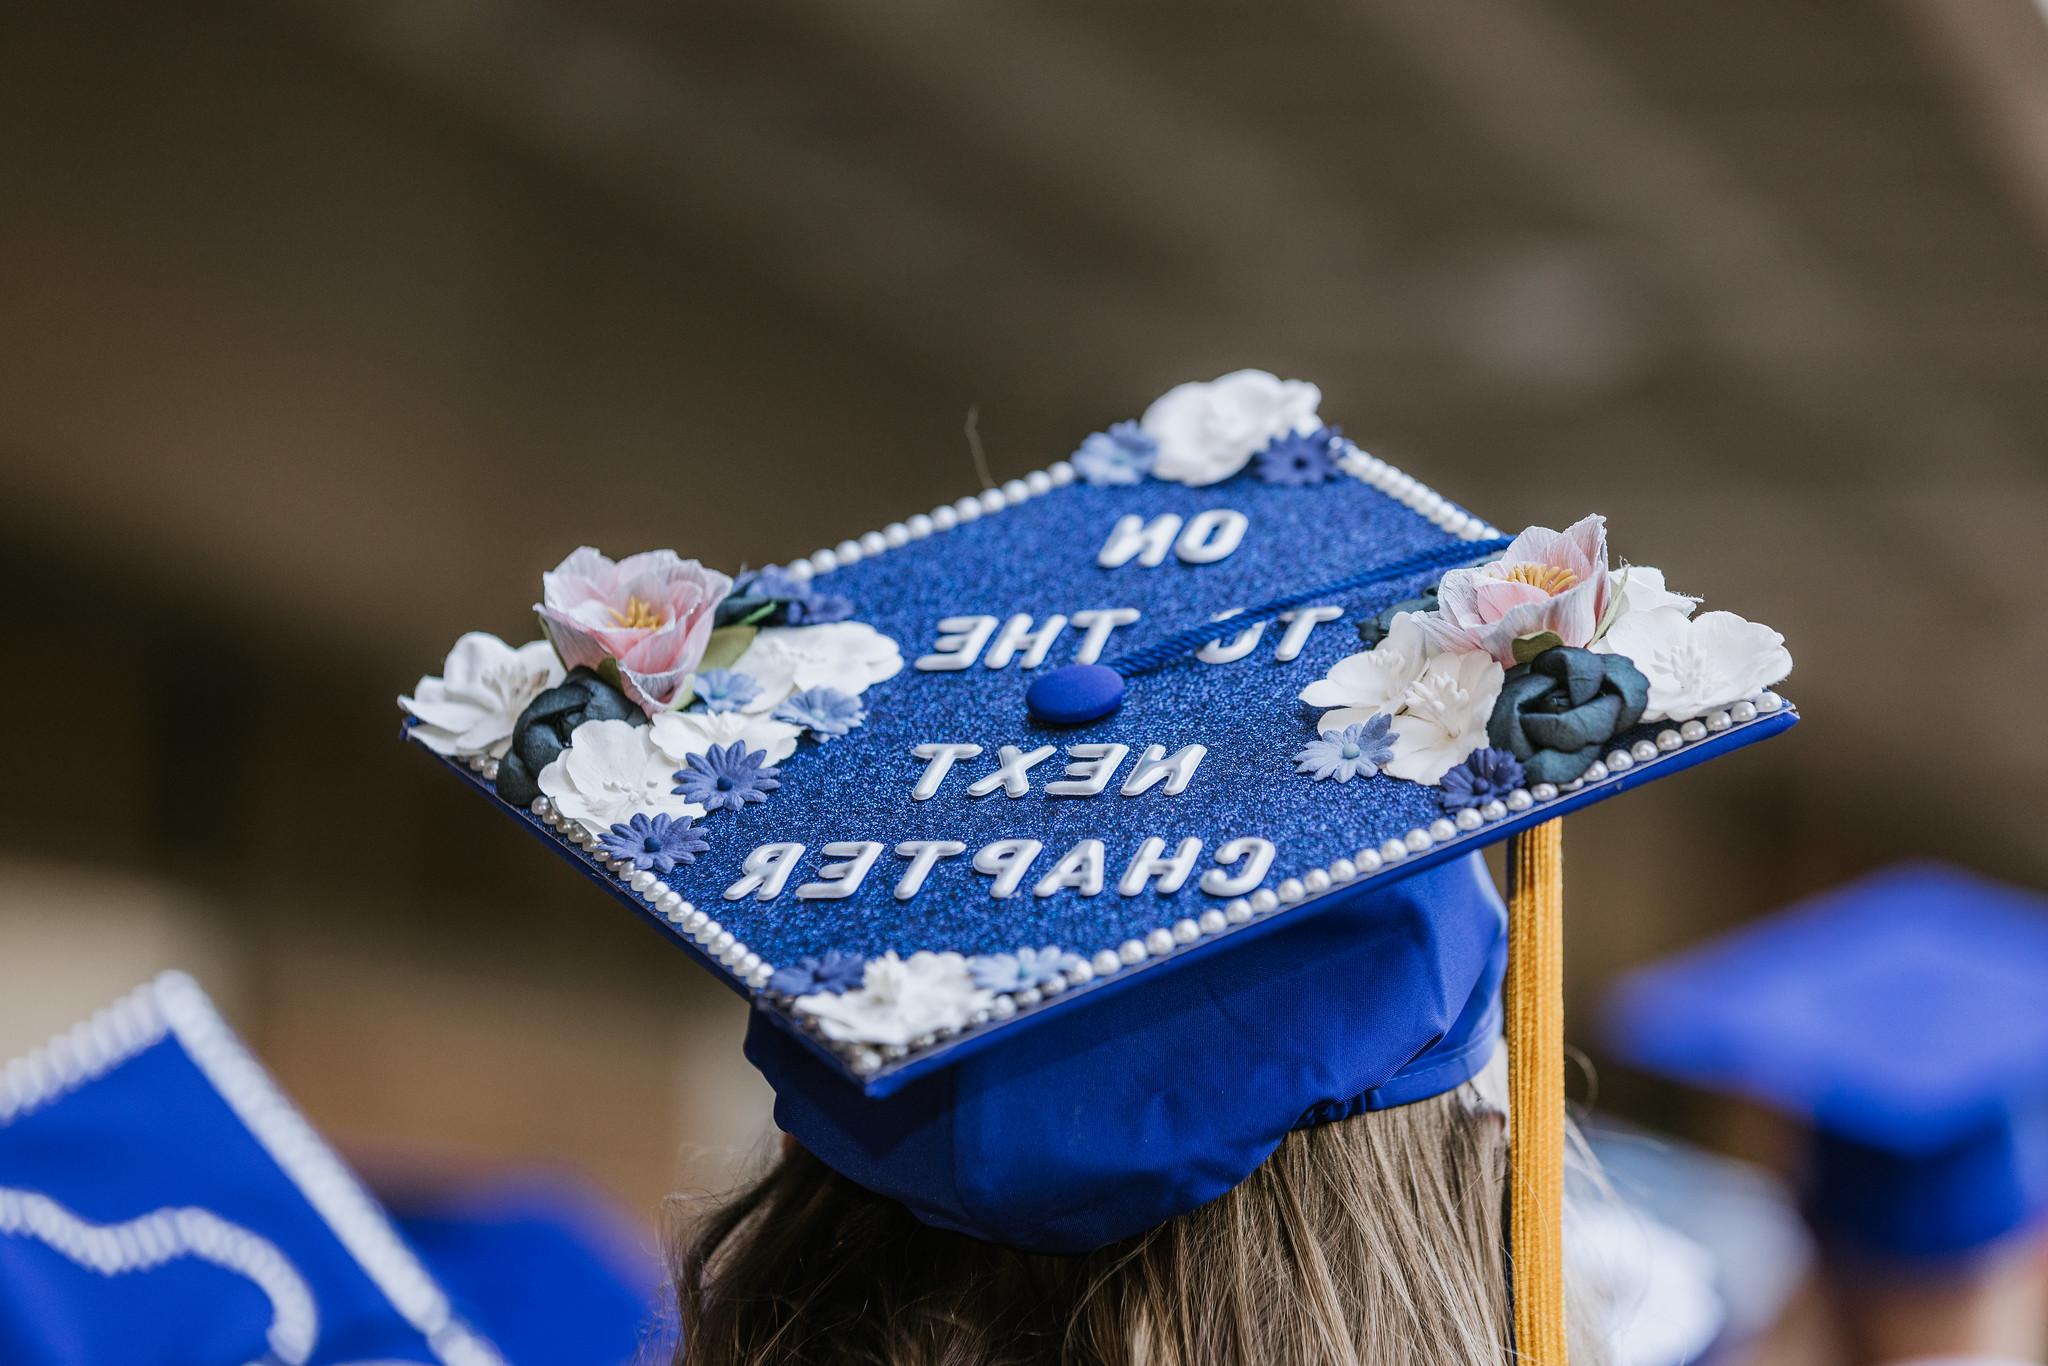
(1901, 1017)
(162, 1202)
(1077, 839)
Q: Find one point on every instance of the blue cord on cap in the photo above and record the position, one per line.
(1076, 694)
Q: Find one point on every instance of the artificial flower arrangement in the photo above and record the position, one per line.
(1205, 432)
(1525, 668)
(663, 692)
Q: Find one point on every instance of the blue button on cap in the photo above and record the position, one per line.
(1075, 694)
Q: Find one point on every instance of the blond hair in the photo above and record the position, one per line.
(1376, 1241)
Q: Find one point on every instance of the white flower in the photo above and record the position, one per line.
(1439, 702)
(1443, 716)
(484, 685)
(1696, 664)
(1363, 685)
(1207, 432)
(848, 655)
(900, 1000)
(1652, 1290)
(1639, 588)
(1643, 590)
(679, 734)
(612, 770)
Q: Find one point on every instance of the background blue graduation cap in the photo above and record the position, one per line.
(1900, 1016)
(1051, 971)
(161, 1201)
(543, 1266)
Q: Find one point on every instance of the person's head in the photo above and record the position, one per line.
(1375, 1239)
(1257, 1157)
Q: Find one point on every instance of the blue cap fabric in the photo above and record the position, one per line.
(1106, 1122)
(1900, 1015)
(1039, 776)
(162, 1203)
(544, 1266)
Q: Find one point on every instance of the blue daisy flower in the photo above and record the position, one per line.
(1122, 455)
(773, 596)
(1019, 970)
(722, 690)
(727, 776)
(835, 973)
(654, 844)
(772, 582)
(819, 609)
(1357, 751)
(824, 712)
(1299, 459)
(1487, 775)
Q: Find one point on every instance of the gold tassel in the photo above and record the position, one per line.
(1535, 1027)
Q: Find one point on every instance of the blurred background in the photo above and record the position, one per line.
(327, 325)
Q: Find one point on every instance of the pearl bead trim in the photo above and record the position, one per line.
(944, 517)
(173, 1005)
(1414, 494)
(712, 939)
(1403, 488)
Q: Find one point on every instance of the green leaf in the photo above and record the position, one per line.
(1528, 647)
(727, 644)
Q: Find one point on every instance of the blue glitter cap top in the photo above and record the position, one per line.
(993, 869)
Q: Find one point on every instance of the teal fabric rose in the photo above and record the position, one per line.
(543, 729)
(1558, 710)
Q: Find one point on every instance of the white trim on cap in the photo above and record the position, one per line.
(170, 1234)
(87, 1050)
(174, 1005)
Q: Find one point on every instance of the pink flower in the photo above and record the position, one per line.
(651, 612)
(1546, 581)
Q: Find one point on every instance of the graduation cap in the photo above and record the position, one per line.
(161, 1201)
(1076, 840)
(1900, 1017)
(543, 1265)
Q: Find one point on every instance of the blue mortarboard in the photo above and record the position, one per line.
(1076, 840)
(161, 1202)
(543, 1266)
(1901, 1017)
